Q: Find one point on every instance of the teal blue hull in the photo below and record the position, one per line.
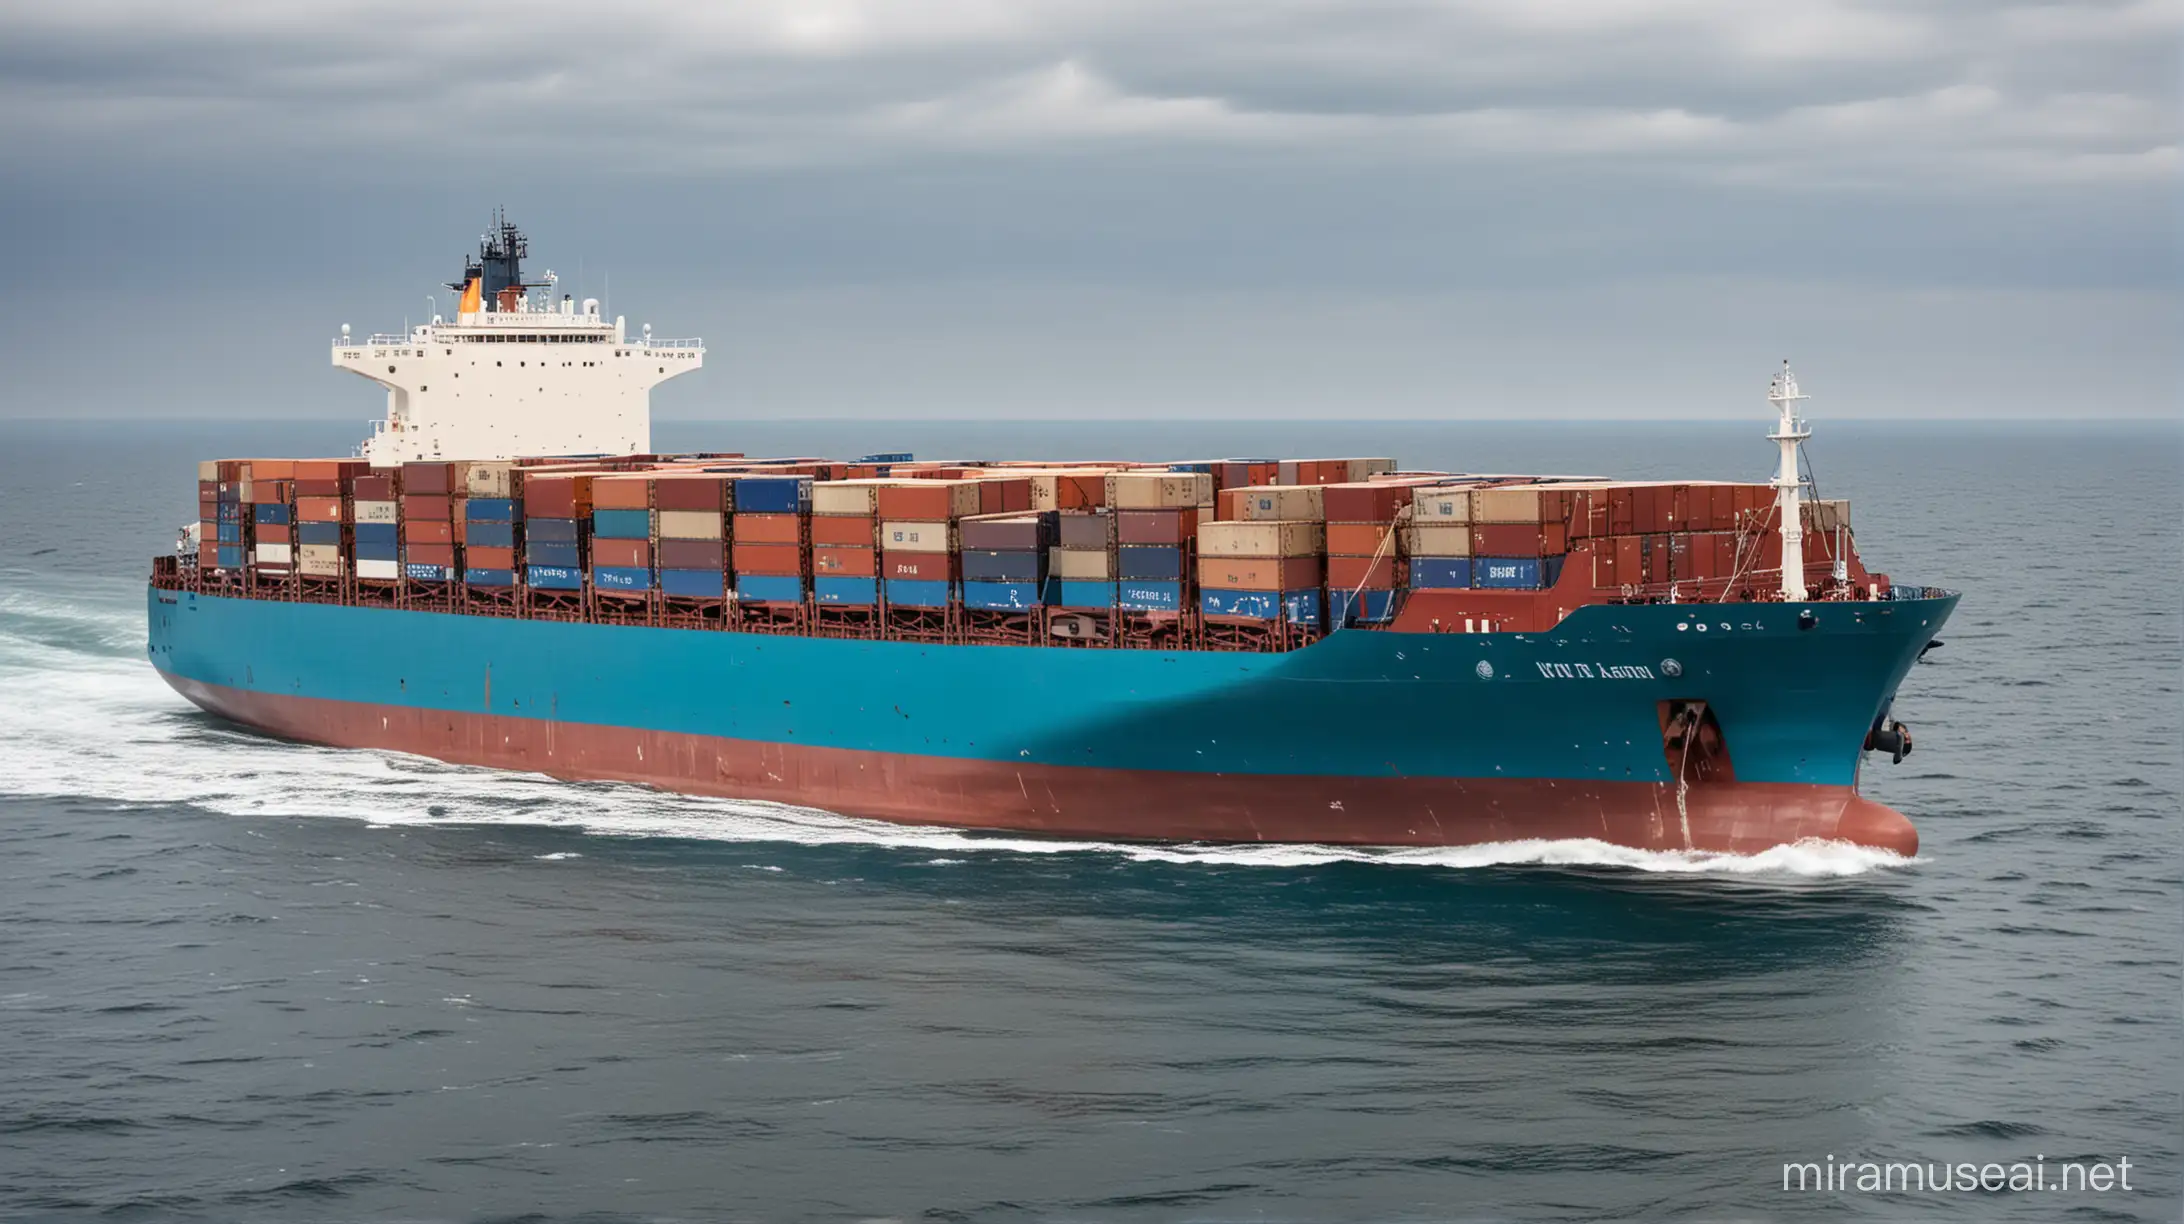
(1576, 710)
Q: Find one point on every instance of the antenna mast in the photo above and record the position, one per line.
(1790, 434)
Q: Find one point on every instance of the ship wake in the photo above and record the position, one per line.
(88, 719)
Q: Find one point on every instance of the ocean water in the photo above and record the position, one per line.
(249, 980)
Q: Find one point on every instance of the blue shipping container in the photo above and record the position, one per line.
(376, 551)
(694, 584)
(1440, 573)
(272, 515)
(919, 592)
(888, 457)
(493, 510)
(554, 578)
(772, 494)
(230, 533)
(230, 513)
(1001, 596)
(425, 573)
(542, 552)
(620, 578)
(376, 533)
(490, 577)
(1301, 606)
(1068, 594)
(1518, 573)
(1159, 563)
(1367, 607)
(231, 556)
(622, 524)
(769, 588)
(552, 530)
(489, 535)
(847, 592)
(318, 533)
(1150, 596)
(1011, 566)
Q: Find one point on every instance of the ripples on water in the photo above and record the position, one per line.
(475, 994)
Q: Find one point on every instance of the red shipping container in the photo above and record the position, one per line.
(622, 493)
(270, 492)
(1603, 566)
(925, 567)
(1259, 573)
(1359, 539)
(1519, 539)
(318, 488)
(564, 497)
(428, 478)
(845, 562)
(1002, 496)
(374, 487)
(427, 506)
(208, 553)
(768, 528)
(701, 492)
(429, 554)
(924, 501)
(846, 530)
(1079, 492)
(490, 558)
(272, 533)
(208, 509)
(427, 531)
(781, 559)
(319, 509)
(1371, 573)
(625, 554)
(1156, 526)
(1367, 502)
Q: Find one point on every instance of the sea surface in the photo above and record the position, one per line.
(244, 980)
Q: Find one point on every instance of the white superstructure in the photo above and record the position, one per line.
(516, 373)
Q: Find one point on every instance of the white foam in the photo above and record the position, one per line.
(94, 720)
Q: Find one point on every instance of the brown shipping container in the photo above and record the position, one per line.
(1629, 560)
(628, 554)
(319, 509)
(692, 525)
(377, 486)
(1156, 526)
(768, 558)
(1359, 539)
(318, 488)
(1438, 539)
(1372, 573)
(1261, 539)
(709, 492)
(853, 531)
(1518, 539)
(622, 493)
(428, 478)
(693, 555)
(1087, 530)
(1157, 490)
(498, 479)
(1021, 531)
(910, 536)
(922, 566)
(565, 497)
(1068, 490)
(850, 497)
(427, 506)
(376, 511)
(1283, 503)
(272, 533)
(1259, 573)
(208, 471)
(847, 562)
(768, 528)
(1441, 504)
(429, 554)
(428, 531)
(1364, 503)
(1524, 504)
(929, 500)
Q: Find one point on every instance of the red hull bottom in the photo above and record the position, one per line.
(1069, 801)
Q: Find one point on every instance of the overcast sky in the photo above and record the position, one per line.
(1117, 208)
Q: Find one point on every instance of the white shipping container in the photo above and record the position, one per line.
(1158, 490)
(1520, 505)
(379, 569)
(1281, 503)
(845, 496)
(275, 554)
(1827, 516)
(691, 525)
(1079, 564)
(489, 479)
(1366, 469)
(1437, 540)
(320, 560)
(1261, 539)
(378, 511)
(208, 469)
(1441, 505)
(911, 536)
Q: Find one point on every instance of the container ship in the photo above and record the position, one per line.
(1330, 650)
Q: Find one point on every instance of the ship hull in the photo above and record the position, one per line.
(1369, 737)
